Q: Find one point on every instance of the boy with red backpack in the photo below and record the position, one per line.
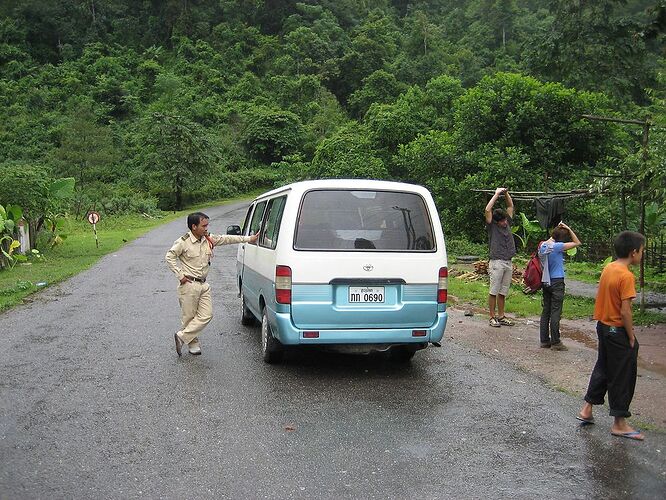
(551, 254)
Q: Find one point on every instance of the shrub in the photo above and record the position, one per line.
(26, 186)
(461, 246)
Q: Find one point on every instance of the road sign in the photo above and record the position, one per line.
(93, 217)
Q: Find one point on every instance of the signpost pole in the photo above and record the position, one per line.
(93, 218)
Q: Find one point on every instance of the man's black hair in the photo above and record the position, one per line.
(500, 214)
(195, 219)
(626, 242)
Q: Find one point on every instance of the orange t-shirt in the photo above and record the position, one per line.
(617, 283)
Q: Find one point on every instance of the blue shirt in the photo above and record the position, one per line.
(554, 254)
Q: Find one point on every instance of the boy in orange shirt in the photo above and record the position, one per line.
(617, 359)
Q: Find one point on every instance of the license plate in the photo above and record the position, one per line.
(364, 294)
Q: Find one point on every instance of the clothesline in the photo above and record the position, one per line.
(532, 195)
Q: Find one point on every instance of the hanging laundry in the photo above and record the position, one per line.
(549, 211)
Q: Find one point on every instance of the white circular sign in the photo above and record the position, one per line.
(93, 217)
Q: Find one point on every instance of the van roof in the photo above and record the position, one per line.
(301, 187)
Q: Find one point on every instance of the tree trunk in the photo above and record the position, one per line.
(179, 193)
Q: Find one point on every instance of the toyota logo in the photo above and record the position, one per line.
(368, 267)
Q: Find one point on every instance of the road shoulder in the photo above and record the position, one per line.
(569, 371)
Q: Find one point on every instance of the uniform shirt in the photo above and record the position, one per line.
(502, 246)
(617, 283)
(194, 255)
(551, 255)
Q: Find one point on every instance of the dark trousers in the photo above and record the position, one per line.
(615, 370)
(553, 298)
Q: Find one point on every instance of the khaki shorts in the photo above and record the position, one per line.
(500, 272)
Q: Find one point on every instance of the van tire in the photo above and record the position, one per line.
(401, 354)
(247, 318)
(272, 349)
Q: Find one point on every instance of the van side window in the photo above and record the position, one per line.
(246, 222)
(257, 216)
(273, 219)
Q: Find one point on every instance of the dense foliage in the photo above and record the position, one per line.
(159, 104)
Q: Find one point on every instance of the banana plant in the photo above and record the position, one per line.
(9, 218)
(526, 230)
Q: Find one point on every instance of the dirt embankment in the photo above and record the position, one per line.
(568, 370)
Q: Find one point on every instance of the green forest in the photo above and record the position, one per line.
(157, 105)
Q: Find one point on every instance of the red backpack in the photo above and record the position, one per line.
(532, 274)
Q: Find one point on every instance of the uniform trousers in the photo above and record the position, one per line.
(615, 370)
(196, 309)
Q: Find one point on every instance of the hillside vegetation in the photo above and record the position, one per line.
(154, 105)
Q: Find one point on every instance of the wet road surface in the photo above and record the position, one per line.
(94, 403)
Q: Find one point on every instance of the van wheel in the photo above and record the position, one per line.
(271, 348)
(401, 354)
(247, 318)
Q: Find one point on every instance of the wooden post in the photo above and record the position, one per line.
(644, 157)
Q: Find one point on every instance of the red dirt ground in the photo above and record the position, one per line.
(568, 370)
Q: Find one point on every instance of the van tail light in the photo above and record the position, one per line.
(442, 285)
(283, 284)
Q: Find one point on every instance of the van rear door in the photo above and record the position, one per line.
(366, 259)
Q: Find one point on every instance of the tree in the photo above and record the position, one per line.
(415, 112)
(380, 87)
(86, 150)
(15, 59)
(544, 120)
(589, 46)
(26, 186)
(347, 154)
(373, 45)
(270, 133)
(178, 150)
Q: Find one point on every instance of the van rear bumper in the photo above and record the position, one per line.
(288, 334)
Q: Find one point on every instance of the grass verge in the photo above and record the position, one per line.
(79, 252)
(523, 305)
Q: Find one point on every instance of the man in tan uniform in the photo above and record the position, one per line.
(194, 250)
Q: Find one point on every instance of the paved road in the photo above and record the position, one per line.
(582, 289)
(94, 403)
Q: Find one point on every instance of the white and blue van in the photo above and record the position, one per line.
(353, 265)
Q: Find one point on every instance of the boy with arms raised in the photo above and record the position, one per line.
(502, 250)
(617, 359)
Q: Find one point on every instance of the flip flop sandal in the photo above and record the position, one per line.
(585, 421)
(635, 435)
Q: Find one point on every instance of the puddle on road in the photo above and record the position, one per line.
(579, 336)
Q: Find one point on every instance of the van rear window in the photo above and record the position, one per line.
(363, 221)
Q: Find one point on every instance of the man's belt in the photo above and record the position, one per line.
(192, 278)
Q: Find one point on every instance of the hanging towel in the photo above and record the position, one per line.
(549, 211)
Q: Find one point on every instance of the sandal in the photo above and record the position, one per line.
(505, 321)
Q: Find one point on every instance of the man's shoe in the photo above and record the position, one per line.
(545, 345)
(504, 321)
(559, 347)
(179, 344)
(194, 347)
(494, 322)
